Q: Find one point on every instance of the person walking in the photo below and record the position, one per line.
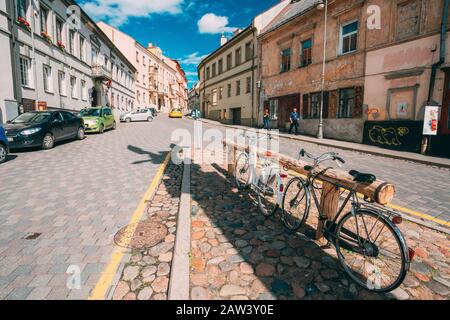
(294, 117)
(266, 119)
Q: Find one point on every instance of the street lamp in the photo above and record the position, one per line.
(321, 6)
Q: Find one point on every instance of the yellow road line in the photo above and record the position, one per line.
(396, 207)
(107, 276)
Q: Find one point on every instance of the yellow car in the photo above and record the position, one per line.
(175, 113)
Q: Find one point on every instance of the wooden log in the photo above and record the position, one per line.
(379, 191)
(329, 203)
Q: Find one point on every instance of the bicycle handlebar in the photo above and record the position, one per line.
(324, 157)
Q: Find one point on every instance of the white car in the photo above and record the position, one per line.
(139, 115)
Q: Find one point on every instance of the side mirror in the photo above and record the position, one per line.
(9, 121)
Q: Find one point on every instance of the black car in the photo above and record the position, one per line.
(43, 129)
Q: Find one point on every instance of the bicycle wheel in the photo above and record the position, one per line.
(267, 194)
(296, 204)
(372, 250)
(242, 171)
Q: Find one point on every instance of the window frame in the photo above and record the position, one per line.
(302, 53)
(62, 83)
(350, 34)
(350, 110)
(48, 78)
(237, 56)
(83, 87)
(25, 74)
(238, 87)
(73, 87)
(282, 64)
(42, 9)
(314, 105)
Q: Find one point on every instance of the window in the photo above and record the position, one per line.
(346, 103)
(314, 111)
(214, 69)
(94, 55)
(229, 90)
(306, 53)
(137, 56)
(59, 31)
(82, 49)
(44, 19)
(73, 87)
(22, 8)
(214, 97)
(286, 60)
(48, 81)
(72, 41)
(238, 87)
(220, 93)
(349, 37)
(248, 51)
(229, 62)
(25, 71)
(62, 83)
(220, 64)
(248, 87)
(273, 109)
(237, 59)
(84, 90)
(208, 75)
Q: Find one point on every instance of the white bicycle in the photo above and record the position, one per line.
(267, 184)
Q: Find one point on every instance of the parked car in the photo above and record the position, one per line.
(139, 115)
(43, 129)
(175, 113)
(154, 111)
(98, 119)
(4, 145)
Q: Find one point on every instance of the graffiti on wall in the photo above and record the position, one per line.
(387, 136)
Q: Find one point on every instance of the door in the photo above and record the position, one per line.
(108, 115)
(57, 122)
(70, 125)
(445, 114)
(236, 116)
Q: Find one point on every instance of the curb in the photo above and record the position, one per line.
(381, 153)
(179, 275)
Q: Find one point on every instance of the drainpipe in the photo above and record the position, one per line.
(13, 50)
(253, 77)
(442, 51)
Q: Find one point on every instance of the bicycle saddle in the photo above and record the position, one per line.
(363, 177)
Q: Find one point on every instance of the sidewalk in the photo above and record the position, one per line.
(408, 156)
(238, 254)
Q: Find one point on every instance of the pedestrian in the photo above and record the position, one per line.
(294, 121)
(266, 119)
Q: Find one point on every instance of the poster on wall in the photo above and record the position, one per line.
(431, 120)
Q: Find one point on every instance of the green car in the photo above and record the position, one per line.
(98, 119)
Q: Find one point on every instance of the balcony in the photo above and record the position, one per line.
(99, 72)
(153, 88)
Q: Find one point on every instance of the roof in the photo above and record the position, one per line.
(292, 11)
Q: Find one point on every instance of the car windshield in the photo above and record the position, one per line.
(176, 110)
(32, 117)
(91, 113)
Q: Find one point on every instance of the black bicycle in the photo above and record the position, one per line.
(369, 245)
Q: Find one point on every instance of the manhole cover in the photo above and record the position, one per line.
(144, 234)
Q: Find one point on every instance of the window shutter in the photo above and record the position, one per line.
(333, 104)
(305, 106)
(326, 99)
(359, 101)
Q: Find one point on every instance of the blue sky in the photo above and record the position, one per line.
(186, 30)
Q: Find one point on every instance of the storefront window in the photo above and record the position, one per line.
(273, 109)
(314, 112)
(346, 103)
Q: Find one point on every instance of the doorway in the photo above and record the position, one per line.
(445, 114)
(236, 116)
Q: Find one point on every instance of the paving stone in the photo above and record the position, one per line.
(280, 287)
(130, 273)
(302, 262)
(399, 294)
(231, 290)
(265, 270)
(160, 284)
(121, 290)
(145, 294)
(148, 271)
(163, 269)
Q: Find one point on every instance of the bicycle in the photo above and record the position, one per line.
(369, 245)
(268, 185)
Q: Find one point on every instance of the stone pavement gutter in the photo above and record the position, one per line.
(146, 275)
(357, 147)
(238, 254)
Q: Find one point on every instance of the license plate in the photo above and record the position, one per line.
(10, 139)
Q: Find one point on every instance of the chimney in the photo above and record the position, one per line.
(223, 39)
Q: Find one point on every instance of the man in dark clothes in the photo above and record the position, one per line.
(294, 117)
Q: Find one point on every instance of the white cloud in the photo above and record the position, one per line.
(191, 73)
(192, 58)
(212, 24)
(117, 12)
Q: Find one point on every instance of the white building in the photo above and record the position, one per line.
(61, 63)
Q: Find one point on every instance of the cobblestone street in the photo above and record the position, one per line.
(146, 275)
(239, 254)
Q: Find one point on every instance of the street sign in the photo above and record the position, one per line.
(431, 120)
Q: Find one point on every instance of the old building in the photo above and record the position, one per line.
(177, 86)
(194, 97)
(292, 50)
(227, 77)
(60, 63)
(384, 62)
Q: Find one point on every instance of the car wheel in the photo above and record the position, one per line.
(3, 153)
(128, 120)
(48, 142)
(150, 119)
(80, 134)
(114, 126)
(101, 130)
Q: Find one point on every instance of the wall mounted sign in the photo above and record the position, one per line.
(431, 120)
